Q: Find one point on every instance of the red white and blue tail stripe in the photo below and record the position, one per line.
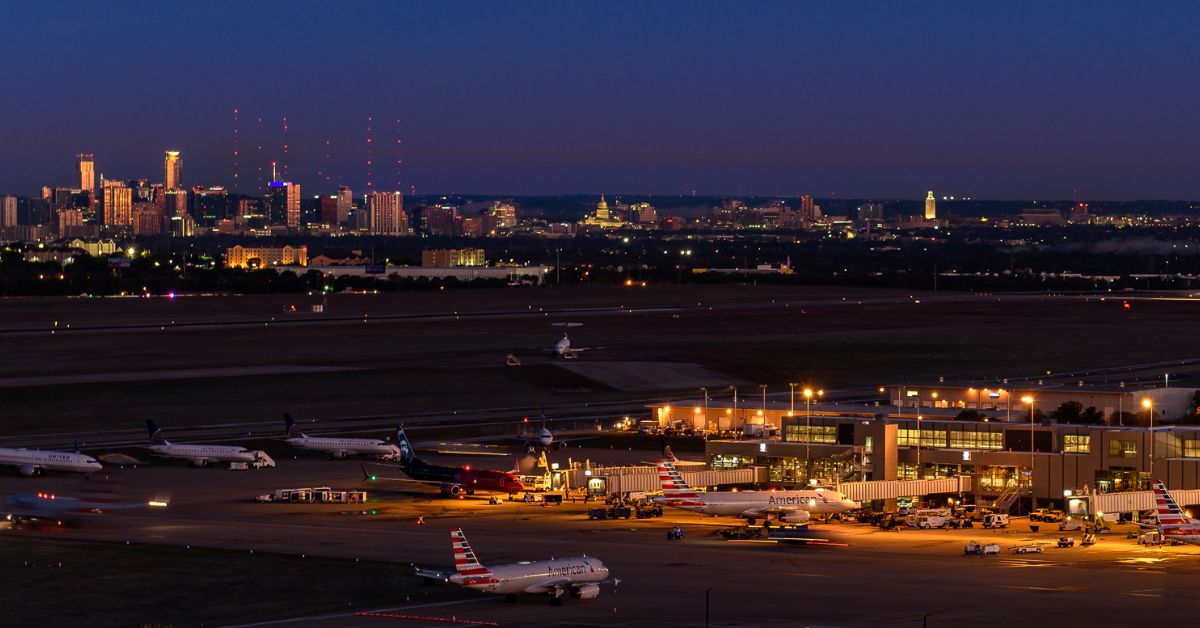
(466, 563)
(1166, 509)
(675, 490)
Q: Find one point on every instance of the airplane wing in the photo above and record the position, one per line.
(439, 575)
(375, 477)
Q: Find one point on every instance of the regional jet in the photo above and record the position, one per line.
(338, 447)
(453, 481)
(578, 577)
(787, 506)
(31, 462)
(61, 509)
(201, 455)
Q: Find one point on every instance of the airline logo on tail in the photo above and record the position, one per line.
(466, 563)
(156, 437)
(406, 451)
(675, 490)
(1169, 513)
(293, 430)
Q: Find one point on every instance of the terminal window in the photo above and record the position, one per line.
(1191, 448)
(810, 434)
(976, 440)
(1122, 448)
(927, 438)
(1077, 444)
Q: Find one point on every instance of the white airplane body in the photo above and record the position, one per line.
(579, 577)
(201, 455)
(788, 506)
(1171, 520)
(31, 462)
(339, 447)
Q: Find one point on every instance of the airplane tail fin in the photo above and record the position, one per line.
(293, 430)
(156, 437)
(465, 561)
(407, 456)
(673, 485)
(1166, 509)
(667, 454)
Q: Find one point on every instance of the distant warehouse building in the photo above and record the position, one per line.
(244, 257)
(453, 257)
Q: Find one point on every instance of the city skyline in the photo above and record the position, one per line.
(1020, 102)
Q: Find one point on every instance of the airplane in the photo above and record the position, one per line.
(579, 577)
(787, 506)
(669, 455)
(24, 507)
(1172, 521)
(32, 462)
(453, 481)
(201, 455)
(338, 447)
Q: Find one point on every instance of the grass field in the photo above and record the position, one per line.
(75, 583)
(759, 334)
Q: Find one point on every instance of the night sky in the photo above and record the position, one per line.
(1006, 100)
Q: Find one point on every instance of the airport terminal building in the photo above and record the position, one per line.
(1003, 450)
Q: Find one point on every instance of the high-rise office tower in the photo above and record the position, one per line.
(283, 203)
(441, 219)
(930, 207)
(85, 164)
(345, 203)
(8, 211)
(172, 170)
(808, 210)
(118, 204)
(387, 217)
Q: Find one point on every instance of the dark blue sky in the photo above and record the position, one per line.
(878, 99)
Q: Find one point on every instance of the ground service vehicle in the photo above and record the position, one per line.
(974, 548)
(995, 521)
(1026, 549)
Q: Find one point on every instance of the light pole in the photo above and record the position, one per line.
(792, 397)
(1028, 399)
(1148, 404)
(764, 401)
(808, 393)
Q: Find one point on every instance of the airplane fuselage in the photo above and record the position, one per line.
(469, 479)
(208, 453)
(515, 578)
(31, 461)
(342, 447)
(736, 503)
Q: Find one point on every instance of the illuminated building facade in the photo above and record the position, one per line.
(172, 170)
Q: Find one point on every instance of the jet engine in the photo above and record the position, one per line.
(29, 470)
(452, 490)
(585, 591)
(796, 516)
(200, 462)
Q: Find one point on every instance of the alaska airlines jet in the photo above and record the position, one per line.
(454, 481)
(1173, 522)
(31, 462)
(579, 577)
(201, 455)
(787, 506)
(338, 447)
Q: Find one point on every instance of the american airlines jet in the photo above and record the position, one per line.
(579, 577)
(787, 506)
(31, 462)
(201, 455)
(1173, 522)
(338, 447)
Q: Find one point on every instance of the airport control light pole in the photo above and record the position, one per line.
(791, 398)
(705, 392)
(1028, 399)
(1148, 404)
(808, 393)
